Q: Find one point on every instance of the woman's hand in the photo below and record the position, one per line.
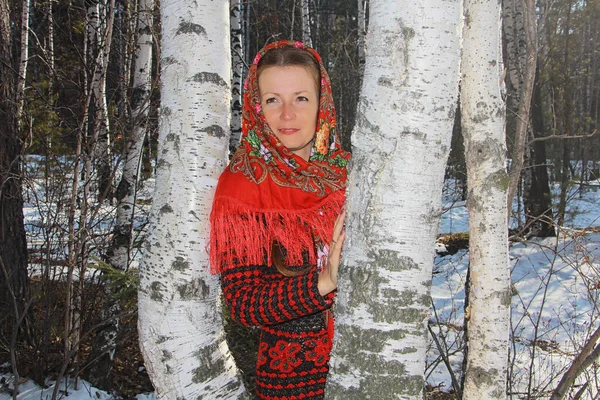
(328, 276)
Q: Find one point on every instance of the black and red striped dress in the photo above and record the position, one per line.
(294, 344)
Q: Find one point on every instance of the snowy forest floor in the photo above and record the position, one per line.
(555, 308)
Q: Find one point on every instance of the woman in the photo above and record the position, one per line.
(277, 220)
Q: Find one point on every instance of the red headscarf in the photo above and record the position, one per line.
(269, 194)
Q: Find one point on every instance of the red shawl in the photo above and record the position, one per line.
(269, 194)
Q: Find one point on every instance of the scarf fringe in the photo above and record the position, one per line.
(243, 236)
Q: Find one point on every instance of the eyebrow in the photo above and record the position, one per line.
(278, 94)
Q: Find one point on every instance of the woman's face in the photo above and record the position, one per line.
(290, 102)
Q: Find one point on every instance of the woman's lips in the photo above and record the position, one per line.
(288, 131)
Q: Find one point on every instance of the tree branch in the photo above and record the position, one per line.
(586, 357)
(538, 139)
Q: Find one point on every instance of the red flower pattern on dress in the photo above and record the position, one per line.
(262, 358)
(319, 351)
(284, 356)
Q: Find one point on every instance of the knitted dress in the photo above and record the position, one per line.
(294, 345)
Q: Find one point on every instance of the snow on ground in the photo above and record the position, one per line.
(555, 297)
(85, 391)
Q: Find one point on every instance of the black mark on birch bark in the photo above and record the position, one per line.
(214, 131)
(209, 77)
(190, 27)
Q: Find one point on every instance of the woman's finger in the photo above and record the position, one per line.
(339, 224)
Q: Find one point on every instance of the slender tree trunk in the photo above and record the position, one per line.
(539, 217)
(362, 32)
(306, 36)
(404, 118)
(140, 104)
(50, 52)
(588, 355)
(102, 357)
(482, 112)
(237, 72)
(526, 91)
(24, 57)
(79, 240)
(293, 20)
(566, 154)
(13, 246)
(180, 327)
(99, 146)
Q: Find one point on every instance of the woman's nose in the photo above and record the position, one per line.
(287, 112)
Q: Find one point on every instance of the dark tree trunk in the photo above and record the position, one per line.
(567, 99)
(13, 245)
(536, 194)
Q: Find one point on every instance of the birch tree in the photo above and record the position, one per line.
(526, 79)
(237, 73)
(362, 32)
(482, 121)
(97, 121)
(24, 57)
(100, 28)
(120, 252)
(401, 140)
(180, 326)
(306, 36)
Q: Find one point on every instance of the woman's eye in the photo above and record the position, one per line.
(270, 100)
(302, 98)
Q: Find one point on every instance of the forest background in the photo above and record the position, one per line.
(81, 92)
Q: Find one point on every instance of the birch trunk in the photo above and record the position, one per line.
(24, 57)
(100, 371)
(482, 111)
(306, 36)
(140, 103)
(525, 95)
(180, 327)
(237, 73)
(362, 32)
(401, 140)
(50, 53)
(100, 142)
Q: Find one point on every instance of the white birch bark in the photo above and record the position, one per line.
(105, 344)
(140, 103)
(524, 103)
(50, 46)
(180, 327)
(482, 111)
(98, 90)
(400, 145)
(306, 36)
(24, 57)
(100, 143)
(237, 72)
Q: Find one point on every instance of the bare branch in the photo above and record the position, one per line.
(586, 357)
(564, 137)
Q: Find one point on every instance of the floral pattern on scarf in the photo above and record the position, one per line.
(261, 153)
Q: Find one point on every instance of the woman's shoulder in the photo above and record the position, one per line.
(234, 185)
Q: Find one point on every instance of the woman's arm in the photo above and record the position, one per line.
(328, 276)
(257, 295)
